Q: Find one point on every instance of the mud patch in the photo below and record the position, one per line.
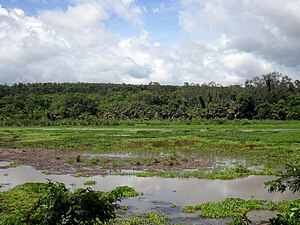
(66, 162)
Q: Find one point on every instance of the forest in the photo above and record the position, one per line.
(272, 96)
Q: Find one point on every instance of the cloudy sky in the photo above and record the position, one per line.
(139, 41)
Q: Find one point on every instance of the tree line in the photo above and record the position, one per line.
(271, 96)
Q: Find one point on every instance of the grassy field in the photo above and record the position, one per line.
(271, 144)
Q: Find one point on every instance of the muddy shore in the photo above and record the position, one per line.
(68, 162)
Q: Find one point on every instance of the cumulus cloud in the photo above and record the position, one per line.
(59, 46)
(268, 29)
(226, 43)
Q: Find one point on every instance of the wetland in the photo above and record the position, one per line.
(175, 168)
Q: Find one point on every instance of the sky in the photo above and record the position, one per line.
(142, 41)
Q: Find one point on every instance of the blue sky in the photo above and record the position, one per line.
(31, 7)
(139, 41)
(160, 17)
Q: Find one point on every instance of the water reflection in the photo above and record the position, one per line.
(180, 191)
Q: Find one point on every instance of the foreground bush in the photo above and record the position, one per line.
(58, 205)
(288, 179)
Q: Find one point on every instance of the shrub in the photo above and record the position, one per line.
(58, 205)
(289, 178)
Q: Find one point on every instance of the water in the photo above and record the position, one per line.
(158, 193)
(180, 191)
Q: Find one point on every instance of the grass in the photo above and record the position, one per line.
(271, 144)
(110, 162)
(217, 173)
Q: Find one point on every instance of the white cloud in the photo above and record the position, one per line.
(269, 29)
(230, 43)
(128, 11)
(58, 45)
(160, 9)
(75, 17)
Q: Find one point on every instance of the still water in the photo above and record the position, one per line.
(180, 191)
(158, 193)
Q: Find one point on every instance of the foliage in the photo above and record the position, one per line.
(238, 209)
(272, 96)
(239, 168)
(36, 203)
(265, 145)
(124, 191)
(230, 207)
(55, 204)
(90, 183)
(291, 218)
(148, 218)
(173, 205)
(241, 219)
(288, 179)
(16, 204)
(217, 173)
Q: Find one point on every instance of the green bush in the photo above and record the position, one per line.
(58, 205)
(289, 178)
(291, 218)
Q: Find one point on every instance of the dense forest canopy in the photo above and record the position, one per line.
(271, 96)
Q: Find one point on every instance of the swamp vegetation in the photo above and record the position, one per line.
(236, 149)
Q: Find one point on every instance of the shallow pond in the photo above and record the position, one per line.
(180, 191)
(156, 191)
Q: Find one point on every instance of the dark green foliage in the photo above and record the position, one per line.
(241, 219)
(291, 218)
(271, 97)
(288, 179)
(54, 204)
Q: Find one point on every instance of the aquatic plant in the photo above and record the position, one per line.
(226, 208)
(173, 205)
(238, 208)
(90, 183)
(241, 219)
(147, 218)
(11, 165)
(124, 191)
